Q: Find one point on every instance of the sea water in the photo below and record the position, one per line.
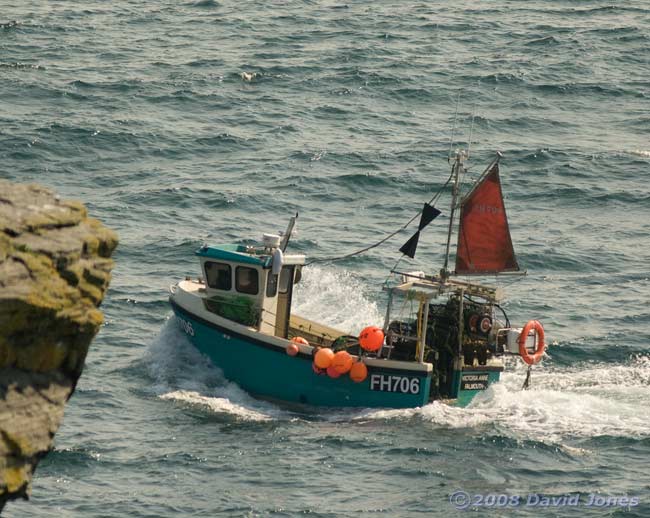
(180, 123)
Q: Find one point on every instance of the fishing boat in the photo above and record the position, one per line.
(444, 337)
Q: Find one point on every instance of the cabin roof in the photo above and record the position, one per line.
(245, 254)
(236, 253)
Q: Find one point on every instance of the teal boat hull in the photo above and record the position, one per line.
(265, 370)
(471, 381)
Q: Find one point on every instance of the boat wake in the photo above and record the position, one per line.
(341, 293)
(585, 401)
(184, 375)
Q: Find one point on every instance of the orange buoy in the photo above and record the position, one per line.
(332, 372)
(293, 349)
(532, 359)
(371, 338)
(317, 370)
(342, 362)
(299, 340)
(323, 358)
(358, 372)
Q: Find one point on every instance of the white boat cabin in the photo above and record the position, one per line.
(251, 285)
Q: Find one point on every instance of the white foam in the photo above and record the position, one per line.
(216, 404)
(584, 401)
(183, 374)
(335, 298)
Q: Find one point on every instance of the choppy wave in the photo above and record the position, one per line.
(143, 114)
(585, 401)
(182, 374)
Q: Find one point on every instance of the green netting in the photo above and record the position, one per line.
(236, 308)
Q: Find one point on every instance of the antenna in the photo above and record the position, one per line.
(453, 129)
(287, 233)
(469, 146)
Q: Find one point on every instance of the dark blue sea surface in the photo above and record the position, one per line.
(140, 110)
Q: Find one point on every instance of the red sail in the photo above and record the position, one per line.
(484, 243)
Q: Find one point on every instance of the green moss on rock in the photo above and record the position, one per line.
(55, 268)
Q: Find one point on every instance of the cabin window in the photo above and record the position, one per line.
(247, 280)
(218, 275)
(285, 279)
(272, 285)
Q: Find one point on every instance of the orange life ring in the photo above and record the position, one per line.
(532, 359)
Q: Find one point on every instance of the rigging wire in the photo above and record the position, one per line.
(403, 227)
(471, 130)
(515, 279)
(386, 238)
(390, 272)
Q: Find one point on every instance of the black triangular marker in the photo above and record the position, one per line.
(429, 213)
(411, 245)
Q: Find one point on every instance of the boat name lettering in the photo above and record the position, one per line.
(186, 326)
(474, 381)
(403, 384)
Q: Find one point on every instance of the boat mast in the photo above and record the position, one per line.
(456, 169)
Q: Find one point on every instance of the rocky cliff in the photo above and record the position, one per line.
(55, 267)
